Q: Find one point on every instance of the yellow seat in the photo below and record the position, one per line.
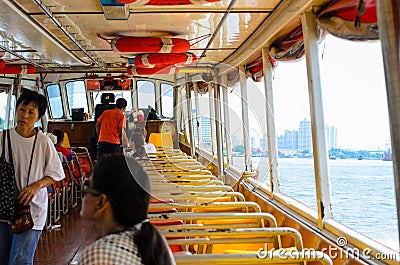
(66, 142)
(161, 139)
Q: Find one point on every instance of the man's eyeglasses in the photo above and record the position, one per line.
(88, 189)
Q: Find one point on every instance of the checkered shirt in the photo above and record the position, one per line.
(115, 249)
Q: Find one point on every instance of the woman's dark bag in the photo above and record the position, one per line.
(8, 187)
(22, 219)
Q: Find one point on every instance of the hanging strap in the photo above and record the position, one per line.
(30, 163)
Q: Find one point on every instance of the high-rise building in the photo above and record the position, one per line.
(331, 137)
(253, 143)
(281, 142)
(203, 124)
(205, 127)
(301, 140)
(291, 139)
(264, 143)
(305, 138)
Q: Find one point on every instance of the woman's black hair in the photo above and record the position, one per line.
(128, 190)
(59, 134)
(38, 100)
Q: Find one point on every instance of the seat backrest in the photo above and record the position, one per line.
(161, 139)
(67, 170)
(66, 143)
(107, 98)
(100, 108)
(85, 160)
(77, 172)
(60, 156)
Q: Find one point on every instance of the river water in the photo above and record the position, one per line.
(363, 194)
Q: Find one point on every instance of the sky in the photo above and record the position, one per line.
(353, 90)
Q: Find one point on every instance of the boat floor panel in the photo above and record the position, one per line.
(60, 246)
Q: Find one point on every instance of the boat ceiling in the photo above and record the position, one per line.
(214, 30)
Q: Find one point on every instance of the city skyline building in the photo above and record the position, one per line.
(205, 128)
(304, 136)
(331, 137)
(301, 140)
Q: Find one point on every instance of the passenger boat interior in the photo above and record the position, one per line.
(188, 69)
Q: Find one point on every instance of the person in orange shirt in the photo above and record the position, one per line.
(110, 128)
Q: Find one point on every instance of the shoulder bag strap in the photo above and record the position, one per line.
(30, 163)
(10, 159)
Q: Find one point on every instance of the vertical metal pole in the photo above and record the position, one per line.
(177, 106)
(271, 132)
(135, 104)
(218, 124)
(17, 86)
(158, 95)
(9, 108)
(189, 109)
(196, 103)
(321, 169)
(245, 119)
(211, 101)
(64, 98)
(226, 117)
(40, 85)
(388, 23)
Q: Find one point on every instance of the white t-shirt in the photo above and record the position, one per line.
(45, 162)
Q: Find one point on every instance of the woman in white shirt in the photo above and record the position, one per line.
(45, 169)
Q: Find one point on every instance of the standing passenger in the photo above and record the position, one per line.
(110, 128)
(118, 207)
(16, 249)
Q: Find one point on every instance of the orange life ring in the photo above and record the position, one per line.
(18, 69)
(347, 10)
(152, 71)
(167, 2)
(150, 45)
(152, 60)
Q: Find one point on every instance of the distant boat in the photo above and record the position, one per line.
(332, 157)
(387, 157)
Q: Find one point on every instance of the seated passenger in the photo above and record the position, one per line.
(117, 202)
(148, 147)
(65, 151)
(138, 145)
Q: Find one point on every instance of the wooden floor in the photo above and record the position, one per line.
(60, 246)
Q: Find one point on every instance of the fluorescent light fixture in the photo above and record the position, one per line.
(114, 10)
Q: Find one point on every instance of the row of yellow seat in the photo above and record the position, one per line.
(206, 222)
